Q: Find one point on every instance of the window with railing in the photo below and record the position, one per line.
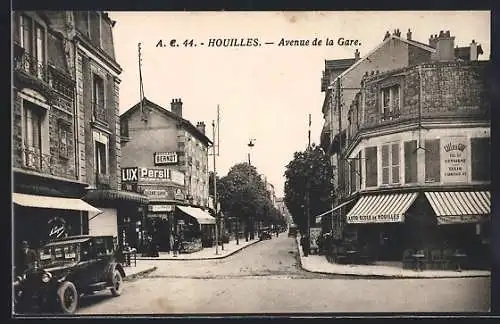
(390, 101)
(98, 100)
(32, 38)
(34, 130)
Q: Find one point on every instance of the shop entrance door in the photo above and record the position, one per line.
(391, 242)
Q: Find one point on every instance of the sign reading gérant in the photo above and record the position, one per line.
(164, 158)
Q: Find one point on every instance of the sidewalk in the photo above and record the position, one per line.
(205, 254)
(142, 268)
(319, 264)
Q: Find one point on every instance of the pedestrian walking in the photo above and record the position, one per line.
(27, 258)
(176, 245)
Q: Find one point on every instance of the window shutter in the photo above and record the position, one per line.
(395, 162)
(480, 159)
(371, 166)
(410, 149)
(432, 161)
(385, 164)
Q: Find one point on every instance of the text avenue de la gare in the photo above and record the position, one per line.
(255, 42)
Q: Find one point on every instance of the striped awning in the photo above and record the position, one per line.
(382, 208)
(201, 216)
(460, 206)
(53, 203)
(320, 216)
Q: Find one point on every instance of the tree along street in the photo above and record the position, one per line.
(265, 278)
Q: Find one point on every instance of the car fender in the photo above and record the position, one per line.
(116, 266)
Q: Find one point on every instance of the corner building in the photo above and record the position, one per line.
(418, 157)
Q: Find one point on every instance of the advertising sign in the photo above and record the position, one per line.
(454, 159)
(177, 177)
(384, 218)
(57, 228)
(165, 158)
(130, 174)
(315, 233)
(160, 208)
(156, 193)
(154, 174)
(179, 195)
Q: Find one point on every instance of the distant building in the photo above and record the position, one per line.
(170, 157)
(280, 205)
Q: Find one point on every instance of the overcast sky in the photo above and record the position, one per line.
(263, 92)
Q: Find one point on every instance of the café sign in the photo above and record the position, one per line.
(165, 158)
(156, 193)
(454, 157)
(384, 218)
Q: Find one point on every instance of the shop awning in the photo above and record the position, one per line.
(201, 216)
(459, 206)
(382, 208)
(115, 195)
(52, 202)
(320, 216)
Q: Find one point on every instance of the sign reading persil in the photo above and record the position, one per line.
(164, 158)
(154, 174)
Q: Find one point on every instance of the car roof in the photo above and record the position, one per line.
(75, 239)
(69, 241)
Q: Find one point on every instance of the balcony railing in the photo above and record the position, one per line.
(34, 160)
(99, 110)
(390, 115)
(31, 65)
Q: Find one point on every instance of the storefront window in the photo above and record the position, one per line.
(480, 159)
(432, 161)
(410, 161)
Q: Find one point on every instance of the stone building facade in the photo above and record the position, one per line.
(417, 158)
(161, 141)
(66, 127)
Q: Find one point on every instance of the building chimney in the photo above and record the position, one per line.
(408, 34)
(176, 107)
(356, 55)
(433, 41)
(201, 127)
(445, 47)
(473, 51)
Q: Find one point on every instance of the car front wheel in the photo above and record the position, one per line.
(68, 297)
(116, 289)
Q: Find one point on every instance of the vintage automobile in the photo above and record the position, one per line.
(67, 269)
(265, 235)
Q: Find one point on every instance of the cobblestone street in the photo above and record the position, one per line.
(265, 278)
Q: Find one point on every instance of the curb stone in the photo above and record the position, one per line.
(201, 259)
(139, 274)
(380, 276)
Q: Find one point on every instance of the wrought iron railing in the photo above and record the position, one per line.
(31, 65)
(99, 110)
(34, 160)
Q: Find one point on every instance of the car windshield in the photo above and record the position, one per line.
(59, 254)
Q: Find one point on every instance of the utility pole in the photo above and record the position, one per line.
(215, 194)
(340, 168)
(308, 183)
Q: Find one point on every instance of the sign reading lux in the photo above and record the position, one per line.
(454, 159)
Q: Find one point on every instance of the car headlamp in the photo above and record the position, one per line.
(46, 277)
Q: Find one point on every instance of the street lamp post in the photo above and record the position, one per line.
(251, 144)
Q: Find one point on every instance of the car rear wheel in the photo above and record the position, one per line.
(116, 290)
(68, 297)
